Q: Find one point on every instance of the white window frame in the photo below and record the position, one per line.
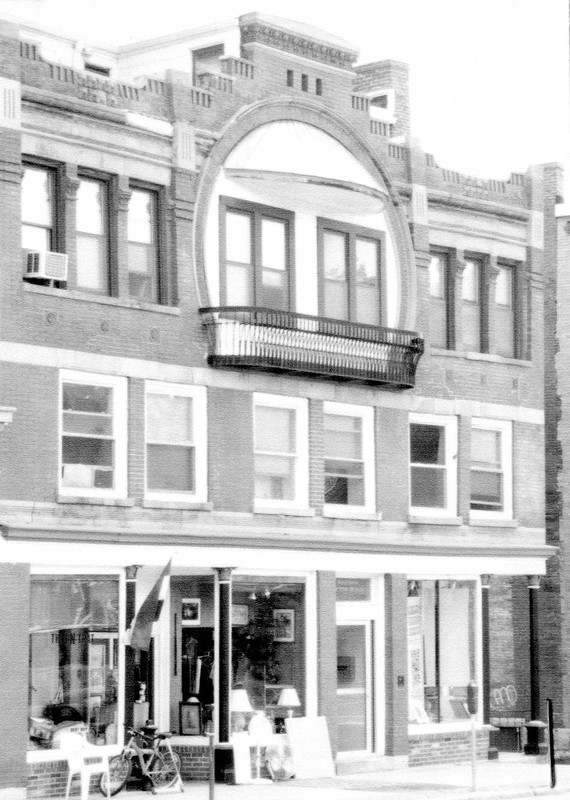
(366, 414)
(301, 460)
(449, 423)
(200, 428)
(505, 428)
(120, 421)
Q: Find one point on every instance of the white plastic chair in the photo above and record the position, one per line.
(85, 760)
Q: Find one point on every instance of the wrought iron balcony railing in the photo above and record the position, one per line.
(282, 341)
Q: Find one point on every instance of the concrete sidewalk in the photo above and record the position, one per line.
(511, 776)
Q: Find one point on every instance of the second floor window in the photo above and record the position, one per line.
(280, 444)
(93, 435)
(491, 469)
(176, 442)
(350, 268)
(349, 456)
(38, 208)
(143, 245)
(256, 259)
(93, 235)
(433, 464)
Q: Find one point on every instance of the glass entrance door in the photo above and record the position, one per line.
(354, 687)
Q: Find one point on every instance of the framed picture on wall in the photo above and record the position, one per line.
(240, 615)
(190, 719)
(190, 611)
(284, 621)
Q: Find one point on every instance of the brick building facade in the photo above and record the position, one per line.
(248, 326)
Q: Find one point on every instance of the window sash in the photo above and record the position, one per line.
(92, 235)
(433, 465)
(439, 300)
(143, 245)
(256, 260)
(491, 469)
(350, 267)
(38, 218)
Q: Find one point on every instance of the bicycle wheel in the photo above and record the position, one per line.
(164, 769)
(119, 773)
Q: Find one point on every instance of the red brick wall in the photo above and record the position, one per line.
(14, 590)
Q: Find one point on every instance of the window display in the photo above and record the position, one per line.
(74, 651)
(441, 649)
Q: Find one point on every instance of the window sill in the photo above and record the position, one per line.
(287, 512)
(127, 502)
(88, 297)
(418, 519)
(182, 505)
(350, 512)
(472, 355)
(487, 522)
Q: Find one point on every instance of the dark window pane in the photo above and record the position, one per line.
(486, 491)
(87, 398)
(427, 444)
(170, 468)
(79, 450)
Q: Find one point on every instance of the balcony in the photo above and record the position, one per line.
(299, 344)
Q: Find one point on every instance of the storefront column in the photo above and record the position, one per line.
(224, 654)
(326, 652)
(131, 693)
(535, 728)
(485, 643)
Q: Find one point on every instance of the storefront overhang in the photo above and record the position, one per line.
(56, 547)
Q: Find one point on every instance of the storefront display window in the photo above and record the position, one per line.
(268, 637)
(73, 678)
(441, 649)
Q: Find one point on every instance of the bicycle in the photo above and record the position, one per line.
(149, 755)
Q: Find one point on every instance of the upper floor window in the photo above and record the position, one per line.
(433, 464)
(280, 444)
(176, 425)
(256, 255)
(349, 456)
(92, 235)
(505, 311)
(142, 234)
(439, 296)
(350, 270)
(471, 304)
(39, 208)
(93, 435)
(491, 469)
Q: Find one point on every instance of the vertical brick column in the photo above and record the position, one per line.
(119, 278)
(396, 664)
(66, 234)
(136, 441)
(463, 468)
(230, 430)
(457, 268)
(14, 680)
(326, 655)
(316, 456)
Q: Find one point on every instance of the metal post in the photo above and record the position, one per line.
(212, 773)
(551, 753)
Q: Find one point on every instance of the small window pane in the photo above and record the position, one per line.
(36, 238)
(504, 287)
(274, 478)
(274, 429)
(37, 196)
(91, 203)
(335, 256)
(366, 262)
(471, 281)
(238, 285)
(273, 244)
(485, 448)
(88, 398)
(486, 491)
(436, 276)
(86, 450)
(343, 436)
(428, 487)
(170, 468)
(92, 263)
(88, 424)
(169, 419)
(427, 444)
(238, 237)
(141, 217)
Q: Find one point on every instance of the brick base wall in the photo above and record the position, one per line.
(445, 748)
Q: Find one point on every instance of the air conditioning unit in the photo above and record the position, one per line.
(45, 265)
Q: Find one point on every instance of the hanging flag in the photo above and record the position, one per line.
(141, 628)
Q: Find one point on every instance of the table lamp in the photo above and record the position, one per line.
(239, 706)
(289, 699)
